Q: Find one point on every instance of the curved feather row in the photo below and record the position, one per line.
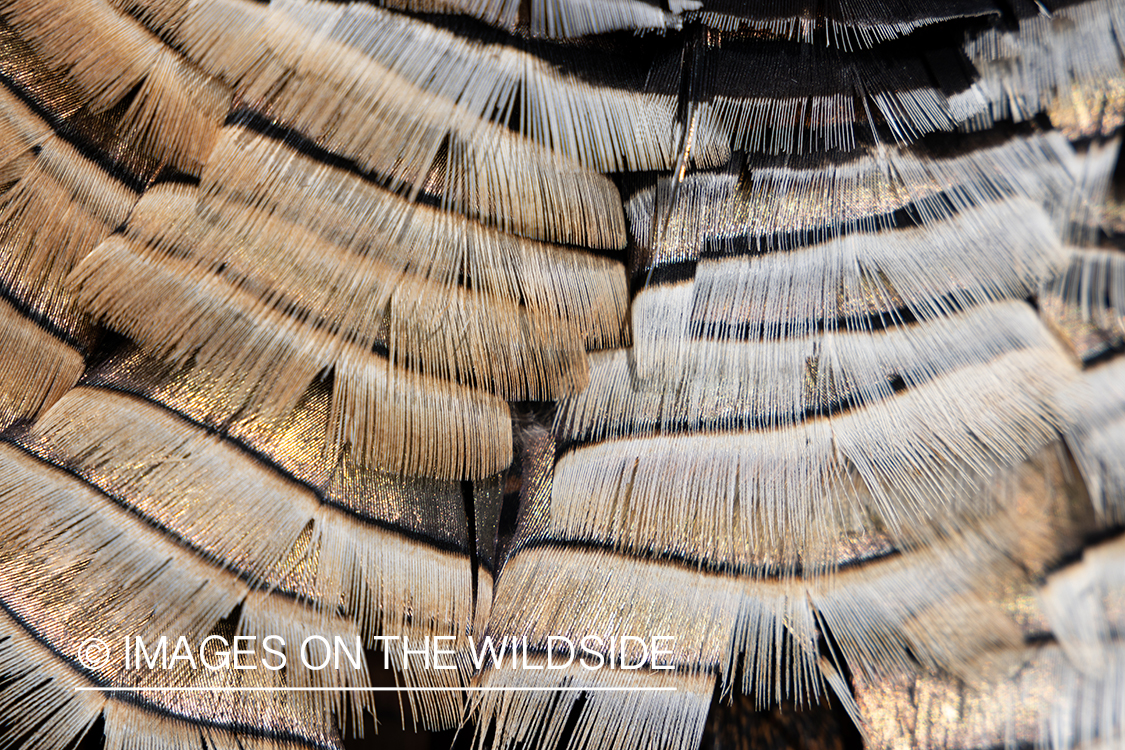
(816, 308)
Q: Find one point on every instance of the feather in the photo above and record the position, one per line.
(768, 351)
(1034, 691)
(1075, 54)
(844, 24)
(741, 619)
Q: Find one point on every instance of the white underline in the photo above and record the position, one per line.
(592, 689)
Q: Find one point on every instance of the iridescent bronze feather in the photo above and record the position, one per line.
(584, 373)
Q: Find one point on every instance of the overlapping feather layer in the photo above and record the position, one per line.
(786, 331)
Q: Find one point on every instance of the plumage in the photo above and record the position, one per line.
(789, 332)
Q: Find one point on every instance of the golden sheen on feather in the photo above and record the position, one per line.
(584, 374)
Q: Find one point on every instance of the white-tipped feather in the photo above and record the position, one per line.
(852, 283)
(802, 205)
(1085, 605)
(1031, 695)
(1084, 303)
(910, 464)
(763, 631)
(349, 103)
(666, 709)
(339, 237)
(118, 576)
(1050, 58)
(1095, 426)
(606, 127)
(762, 384)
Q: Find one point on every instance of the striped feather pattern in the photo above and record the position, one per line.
(787, 332)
